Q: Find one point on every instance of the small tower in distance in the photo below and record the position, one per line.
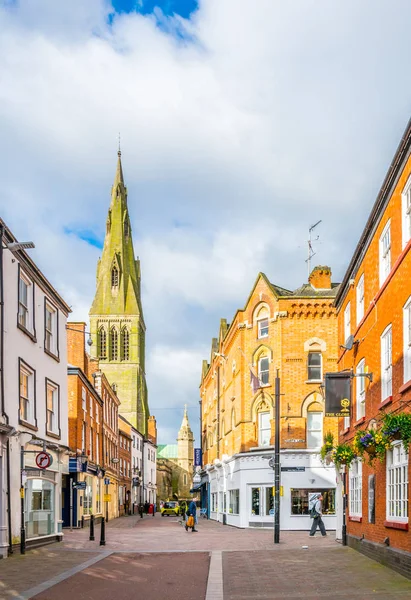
(185, 446)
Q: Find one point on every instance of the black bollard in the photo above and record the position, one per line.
(82, 522)
(103, 533)
(92, 528)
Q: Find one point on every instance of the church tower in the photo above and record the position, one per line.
(116, 315)
(185, 445)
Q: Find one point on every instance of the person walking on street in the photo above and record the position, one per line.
(154, 508)
(146, 507)
(316, 513)
(141, 509)
(192, 518)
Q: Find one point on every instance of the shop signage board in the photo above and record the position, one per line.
(197, 457)
(293, 469)
(107, 497)
(43, 460)
(106, 481)
(338, 394)
(80, 485)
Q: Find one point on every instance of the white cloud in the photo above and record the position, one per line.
(278, 115)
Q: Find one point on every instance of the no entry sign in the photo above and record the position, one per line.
(43, 460)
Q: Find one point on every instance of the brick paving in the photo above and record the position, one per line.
(158, 553)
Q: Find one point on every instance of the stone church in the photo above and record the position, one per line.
(175, 463)
(116, 315)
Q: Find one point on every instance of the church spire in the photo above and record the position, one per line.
(119, 171)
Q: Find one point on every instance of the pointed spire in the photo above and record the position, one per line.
(119, 171)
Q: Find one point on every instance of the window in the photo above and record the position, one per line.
(114, 277)
(262, 328)
(263, 370)
(88, 497)
(355, 495)
(264, 429)
(125, 344)
(25, 307)
(27, 394)
(360, 299)
(90, 451)
(234, 502)
(102, 343)
(406, 212)
(50, 329)
(314, 366)
(314, 429)
(52, 408)
(407, 341)
(220, 501)
(386, 363)
(385, 253)
(83, 437)
(97, 448)
(397, 483)
(113, 344)
(91, 407)
(269, 501)
(214, 502)
(300, 499)
(255, 501)
(347, 321)
(224, 502)
(360, 390)
(84, 399)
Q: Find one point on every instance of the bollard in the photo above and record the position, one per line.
(103, 533)
(82, 522)
(92, 528)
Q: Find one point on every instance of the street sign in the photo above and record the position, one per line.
(80, 485)
(338, 394)
(197, 457)
(107, 497)
(293, 469)
(106, 481)
(43, 460)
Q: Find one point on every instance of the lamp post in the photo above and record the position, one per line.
(83, 459)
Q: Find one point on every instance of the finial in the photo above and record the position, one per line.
(119, 146)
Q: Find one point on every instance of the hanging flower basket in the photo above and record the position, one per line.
(371, 450)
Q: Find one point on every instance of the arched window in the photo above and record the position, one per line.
(125, 344)
(264, 428)
(113, 344)
(102, 343)
(114, 277)
(314, 427)
(264, 370)
(262, 322)
(233, 419)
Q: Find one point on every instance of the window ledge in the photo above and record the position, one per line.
(346, 430)
(52, 355)
(396, 525)
(355, 519)
(359, 422)
(30, 334)
(405, 387)
(314, 381)
(386, 402)
(52, 434)
(32, 426)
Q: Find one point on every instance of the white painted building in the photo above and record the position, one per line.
(150, 472)
(33, 399)
(241, 489)
(137, 467)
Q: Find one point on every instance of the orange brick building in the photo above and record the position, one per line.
(85, 433)
(374, 305)
(294, 332)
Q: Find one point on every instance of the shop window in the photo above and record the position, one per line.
(397, 483)
(300, 499)
(255, 501)
(386, 363)
(234, 502)
(314, 429)
(88, 496)
(355, 494)
(314, 366)
(39, 499)
(264, 429)
(269, 501)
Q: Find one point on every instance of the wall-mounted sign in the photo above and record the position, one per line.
(295, 441)
(43, 460)
(197, 457)
(107, 497)
(338, 394)
(293, 469)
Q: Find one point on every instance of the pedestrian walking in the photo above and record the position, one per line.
(141, 509)
(192, 516)
(146, 507)
(316, 513)
(154, 509)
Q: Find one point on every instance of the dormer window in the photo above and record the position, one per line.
(114, 277)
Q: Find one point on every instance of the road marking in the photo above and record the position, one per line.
(215, 577)
(58, 578)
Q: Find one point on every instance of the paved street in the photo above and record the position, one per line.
(160, 559)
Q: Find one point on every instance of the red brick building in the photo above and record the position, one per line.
(125, 456)
(374, 306)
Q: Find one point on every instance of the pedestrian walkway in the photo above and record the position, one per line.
(157, 556)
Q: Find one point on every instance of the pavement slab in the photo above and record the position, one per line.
(128, 576)
(315, 572)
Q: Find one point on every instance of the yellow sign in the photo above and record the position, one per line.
(21, 492)
(107, 497)
(281, 491)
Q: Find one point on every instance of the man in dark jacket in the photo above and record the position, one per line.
(192, 511)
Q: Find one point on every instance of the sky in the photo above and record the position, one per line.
(242, 124)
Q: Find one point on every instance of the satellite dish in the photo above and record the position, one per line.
(349, 343)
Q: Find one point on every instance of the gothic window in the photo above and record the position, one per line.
(102, 343)
(126, 227)
(114, 277)
(125, 344)
(113, 344)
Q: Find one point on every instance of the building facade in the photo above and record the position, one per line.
(33, 402)
(125, 456)
(116, 316)
(374, 306)
(294, 334)
(137, 468)
(150, 472)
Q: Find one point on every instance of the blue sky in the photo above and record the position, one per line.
(273, 116)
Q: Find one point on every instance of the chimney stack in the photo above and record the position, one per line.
(320, 278)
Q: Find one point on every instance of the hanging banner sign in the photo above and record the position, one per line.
(338, 394)
(197, 457)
